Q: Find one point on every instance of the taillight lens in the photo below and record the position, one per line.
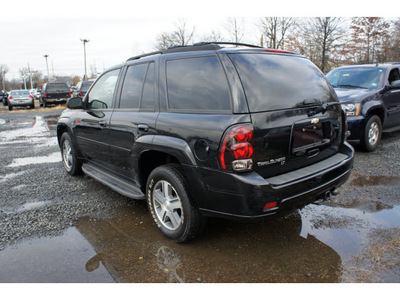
(80, 93)
(45, 95)
(236, 148)
(30, 96)
(10, 97)
(70, 94)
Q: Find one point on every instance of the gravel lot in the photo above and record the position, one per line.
(58, 228)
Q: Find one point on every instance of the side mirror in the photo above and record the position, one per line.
(395, 85)
(75, 103)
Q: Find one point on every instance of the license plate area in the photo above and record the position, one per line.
(313, 135)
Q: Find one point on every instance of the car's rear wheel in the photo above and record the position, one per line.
(171, 205)
(71, 164)
(372, 134)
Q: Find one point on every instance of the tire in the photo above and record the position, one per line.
(171, 206)
(372, 134)
(10, 107)
(44, 103)
(68, 154)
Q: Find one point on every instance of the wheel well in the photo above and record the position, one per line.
(151, 160)
(378, 112)
(60, 130)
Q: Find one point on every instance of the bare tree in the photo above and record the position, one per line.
(181, 36)
(3, 72)
(213, 36)
(368, 35)
(235, 28)
(275, 30)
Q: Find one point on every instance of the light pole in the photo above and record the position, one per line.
(84, 41)
(47, 65)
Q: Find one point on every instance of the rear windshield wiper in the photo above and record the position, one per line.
(321, 109)
(349, 86)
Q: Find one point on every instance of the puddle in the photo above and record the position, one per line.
(24, 161)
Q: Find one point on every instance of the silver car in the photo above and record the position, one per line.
(20, 98)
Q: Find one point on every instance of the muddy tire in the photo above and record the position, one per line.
(372, 134)
(171, 206)
(70, 162)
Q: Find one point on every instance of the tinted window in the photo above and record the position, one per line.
(273, 82)
(133, 84)
(149, 89)
(57, 87)
(101, 95)
(197, 84)
(86, 85)
(364, 77)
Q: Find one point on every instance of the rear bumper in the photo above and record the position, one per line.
(244, 196)
(13, 102)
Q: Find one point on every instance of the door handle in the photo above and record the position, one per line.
(143, 127)
(103, 123)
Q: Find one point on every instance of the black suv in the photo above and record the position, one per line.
(206, 130)
(370, 96)
(54, 92)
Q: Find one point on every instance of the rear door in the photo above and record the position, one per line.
(134, 118)
(296, 115)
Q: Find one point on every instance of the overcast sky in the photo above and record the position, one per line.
(120, 29)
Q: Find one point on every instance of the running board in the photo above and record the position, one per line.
(126, 188)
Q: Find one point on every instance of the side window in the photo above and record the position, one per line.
(394, 75)
(133, 85)
(197, 83)
(148, 97)
(101, 95)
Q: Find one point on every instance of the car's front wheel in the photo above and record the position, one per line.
(71, 164)
(372, 134)
(171, 205)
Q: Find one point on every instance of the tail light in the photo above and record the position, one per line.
(45, 95)
(70, 94)
(30, 96)
(80, 93)
(10, 97)
(236, 149)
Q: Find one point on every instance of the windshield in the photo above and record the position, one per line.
(273, 82)
(365, 77)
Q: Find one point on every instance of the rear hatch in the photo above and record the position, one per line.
(57, 90)
(295, 112)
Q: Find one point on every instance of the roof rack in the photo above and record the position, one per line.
(202, 46)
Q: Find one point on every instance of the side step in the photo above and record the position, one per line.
(126, 188)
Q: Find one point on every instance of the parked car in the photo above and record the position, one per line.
(81, 88)
(2, 95)
(207, 130)
(55, 93)
(36, 93)
(370, 96)
(20, 98)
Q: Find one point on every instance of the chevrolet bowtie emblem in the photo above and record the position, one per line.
(314, 121)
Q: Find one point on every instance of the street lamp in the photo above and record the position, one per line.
(84, 41)
(48, 74)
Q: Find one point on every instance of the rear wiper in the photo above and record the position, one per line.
(349, 86)
(320, 109)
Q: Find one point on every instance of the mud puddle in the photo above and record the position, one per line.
(319, 244)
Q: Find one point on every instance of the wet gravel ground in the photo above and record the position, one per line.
(58, 228)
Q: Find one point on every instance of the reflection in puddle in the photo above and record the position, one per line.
(37, 132)
(24, 161)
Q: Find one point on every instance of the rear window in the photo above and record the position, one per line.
(86, 85)
(274, 82)
(197, 83)
(57, 87)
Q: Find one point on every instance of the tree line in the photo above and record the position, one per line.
(329, 42)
